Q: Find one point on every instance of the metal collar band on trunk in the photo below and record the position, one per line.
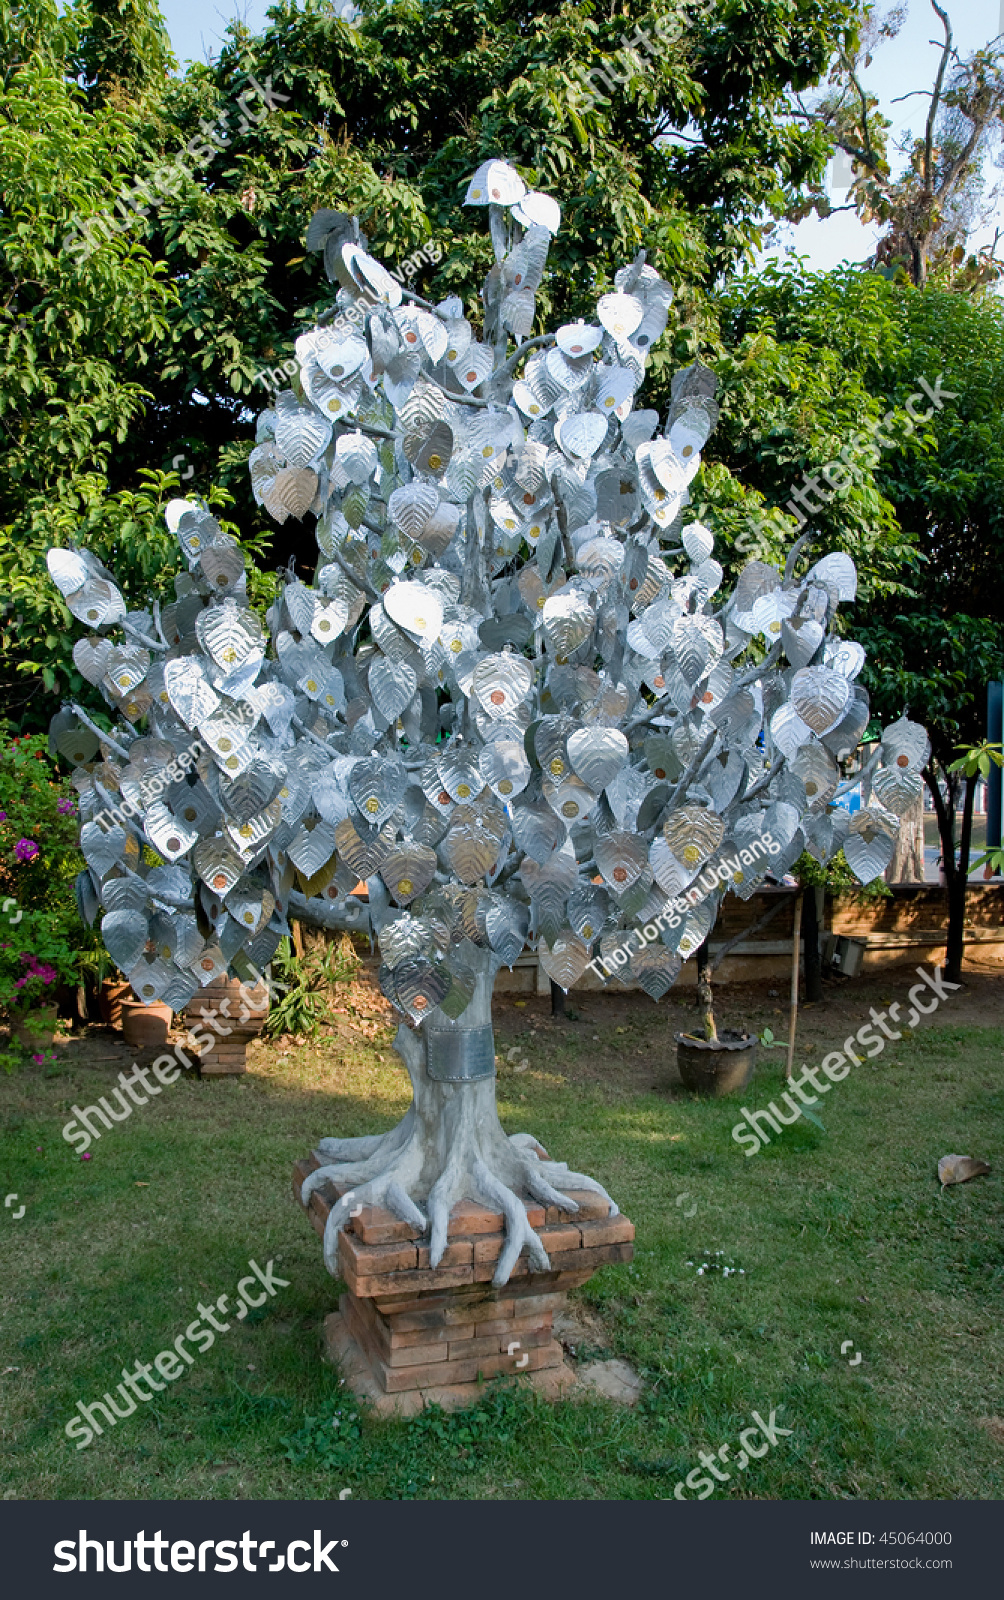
(458, 1055)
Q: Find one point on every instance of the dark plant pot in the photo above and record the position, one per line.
(716, 1067)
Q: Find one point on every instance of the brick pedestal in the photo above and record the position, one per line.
(229, 1050)
(406, 1335)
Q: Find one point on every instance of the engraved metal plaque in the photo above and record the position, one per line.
(458, 1055)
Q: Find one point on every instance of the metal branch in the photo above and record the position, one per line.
(795, 552)
(141, 638)
(106, 738)
(509, 367)
(354, 577)
(751, 675)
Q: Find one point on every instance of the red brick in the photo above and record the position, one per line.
(419, 1355)
(430, 1336)
(369, 1260)
(397, 1379)
(487, 1345)
(615, 1230)
(488, 1248)
(484, 1271)
(560, 1237)
(515, 1327)
(377, 1225)
(391, 1283)
(596, 1256)
(458, 1254)
(527, 1338)
(590, 1206)
(468, 1217)
(527, 1301)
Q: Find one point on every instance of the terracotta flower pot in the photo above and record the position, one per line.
(36, 1029)
(145, 1027)
(111, 995)
(716, 1067)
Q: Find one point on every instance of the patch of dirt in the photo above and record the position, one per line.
(624, 1040)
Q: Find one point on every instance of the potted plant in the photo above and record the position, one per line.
(33, 962)
(714, 1062)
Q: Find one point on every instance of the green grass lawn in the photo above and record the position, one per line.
(842, 1235)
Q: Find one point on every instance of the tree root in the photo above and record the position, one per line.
(450, 1146)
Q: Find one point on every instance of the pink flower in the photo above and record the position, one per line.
(26, 850)
(38, 1059)
(66, 807)
(19, 983)
(86, 1156)
(3, 816)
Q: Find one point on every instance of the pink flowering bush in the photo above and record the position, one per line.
(34, 961)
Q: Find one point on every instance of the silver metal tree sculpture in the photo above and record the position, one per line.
(514, 700)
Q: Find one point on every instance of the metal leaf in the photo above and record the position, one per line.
(819, 697)
(565, 961)
(125, 934)
(622, 860)
(377, 788)
(408, 871)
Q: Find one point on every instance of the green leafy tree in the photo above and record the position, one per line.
(929, 507)
(930, 207)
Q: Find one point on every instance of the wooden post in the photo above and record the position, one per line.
(793, 1018)
(557, 999)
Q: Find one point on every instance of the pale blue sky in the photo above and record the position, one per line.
(908, 62)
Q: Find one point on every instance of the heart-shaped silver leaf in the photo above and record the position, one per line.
(192, 698)
(692, 834)
(408, 871)
(99, 604)
(90, 657)
(800, 639)
(313, 846)
(597, 754)
(125, 934)
(169, 837)
(78, 745)
(566, 960)
(217, 864)
(819, 696)
(622, 859)
(377, 788)
(102, 846)
(869, 844)
(420, 985)
(392, 685)
(504, 767)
